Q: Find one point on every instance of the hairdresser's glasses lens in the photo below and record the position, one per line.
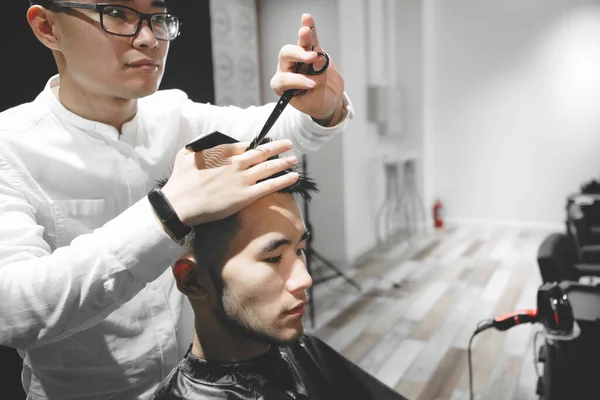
(119, 20)
(124, 21)
(165, 26)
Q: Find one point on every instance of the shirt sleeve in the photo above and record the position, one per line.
(244, 124)
(47, 296)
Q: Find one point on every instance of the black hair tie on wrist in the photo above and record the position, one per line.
(164, 211)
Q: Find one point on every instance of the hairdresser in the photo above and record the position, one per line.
(86, 297)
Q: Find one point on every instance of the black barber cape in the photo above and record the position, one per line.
(308, 369)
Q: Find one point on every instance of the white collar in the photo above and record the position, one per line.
(49, 97)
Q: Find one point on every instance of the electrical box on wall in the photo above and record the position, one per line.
(385, 107)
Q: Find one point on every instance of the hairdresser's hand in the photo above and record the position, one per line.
(216, 183)
(324, 99)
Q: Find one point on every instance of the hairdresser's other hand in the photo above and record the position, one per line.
(213, 184)
(324, 99)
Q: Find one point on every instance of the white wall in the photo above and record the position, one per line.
(410, 65)
(409, 70)
(501, 100)
(346, 169)
(363, 145)
(363, 189)
(350, 169)
(515, 94)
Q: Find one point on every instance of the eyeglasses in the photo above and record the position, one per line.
(125, 21)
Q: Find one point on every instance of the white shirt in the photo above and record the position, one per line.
(86, 292)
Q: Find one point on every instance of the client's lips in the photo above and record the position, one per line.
(299, 309)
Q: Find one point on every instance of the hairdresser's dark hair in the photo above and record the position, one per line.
(210, 242)
(46, 3)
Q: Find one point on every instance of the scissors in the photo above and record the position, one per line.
(287, 96)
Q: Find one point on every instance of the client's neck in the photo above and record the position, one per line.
(217, 343)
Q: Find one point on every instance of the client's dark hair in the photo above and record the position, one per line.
(210, 242)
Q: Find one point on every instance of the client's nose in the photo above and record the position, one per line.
(300, 279)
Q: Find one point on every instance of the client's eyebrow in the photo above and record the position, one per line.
(276, 243)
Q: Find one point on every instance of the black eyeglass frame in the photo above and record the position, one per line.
(100, 9)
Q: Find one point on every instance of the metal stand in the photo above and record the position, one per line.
(400, 200)
(310, 252)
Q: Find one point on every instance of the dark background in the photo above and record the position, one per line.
(26, 65)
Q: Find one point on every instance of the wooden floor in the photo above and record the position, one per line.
(419, 303)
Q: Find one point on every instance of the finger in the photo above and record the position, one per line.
(309, 21)
(289, 55)
(262, 153)
(283, 81)
(273, 185)
(233, 149)
(315, 40)
(184, 151)
(305, 37)
(215, 157)
(269, 168)
(320, 63)
(218, 156)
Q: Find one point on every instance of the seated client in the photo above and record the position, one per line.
(246, 279)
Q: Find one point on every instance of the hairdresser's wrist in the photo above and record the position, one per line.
(180, 202)
(167, 215)
(162, 225)
(338, 115)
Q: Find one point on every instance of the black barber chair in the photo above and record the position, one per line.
(557, 259)
(576, 253)
(583, 227)
(572, 367)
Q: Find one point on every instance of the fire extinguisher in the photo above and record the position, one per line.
(438, 216)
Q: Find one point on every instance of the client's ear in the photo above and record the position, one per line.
(187, 278)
